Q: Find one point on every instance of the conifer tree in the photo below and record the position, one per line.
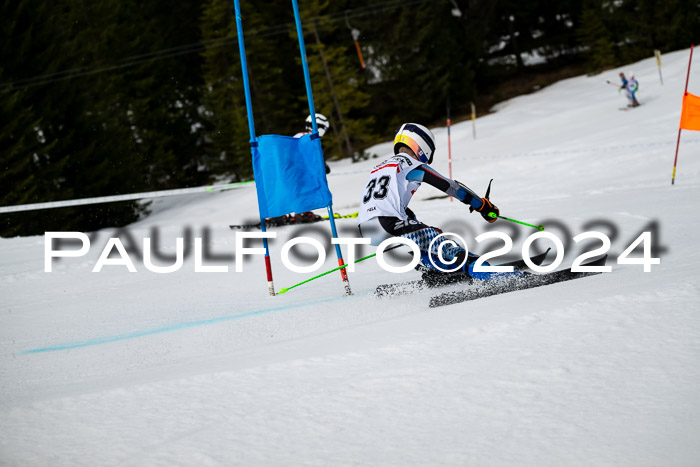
(336, 81)
(102, 124)
(54, 140)
(271, 72)
(226, 126)
(652, 24)
(594, 35)
(419, 57)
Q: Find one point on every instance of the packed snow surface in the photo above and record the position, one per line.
(204, 368)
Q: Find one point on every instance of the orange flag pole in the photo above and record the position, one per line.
(685, 93)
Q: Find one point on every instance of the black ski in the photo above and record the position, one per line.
(441, 280)
(481, 289)
(629, 107)
(247, 226)
(288, 220)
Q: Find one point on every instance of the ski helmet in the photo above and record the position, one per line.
(321, 123)
(631, 74)
(418, 138)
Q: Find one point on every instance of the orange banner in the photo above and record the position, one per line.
(690, 115)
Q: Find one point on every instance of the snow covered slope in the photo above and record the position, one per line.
(120, 368)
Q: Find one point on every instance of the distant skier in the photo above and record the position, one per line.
(322, 125)
(305, 217)
(624, 81)
(384, 211)
(630, 89)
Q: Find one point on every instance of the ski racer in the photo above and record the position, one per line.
(624, 82)
(322, 125)
(384, 211)
(304, 217)
(630, 89)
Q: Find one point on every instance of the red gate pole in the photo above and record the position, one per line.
(678, 142)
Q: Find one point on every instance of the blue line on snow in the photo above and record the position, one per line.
(176, 327)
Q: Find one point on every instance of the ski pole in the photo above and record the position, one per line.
(340, 216)
(493, 215)
(332, 270)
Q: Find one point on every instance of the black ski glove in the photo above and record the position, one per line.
(487, 208)
(410, 214)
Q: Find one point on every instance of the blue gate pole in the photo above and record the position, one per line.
(314, 134)
(251, 128)
(305, 66)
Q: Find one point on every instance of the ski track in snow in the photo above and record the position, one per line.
(117, 368)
